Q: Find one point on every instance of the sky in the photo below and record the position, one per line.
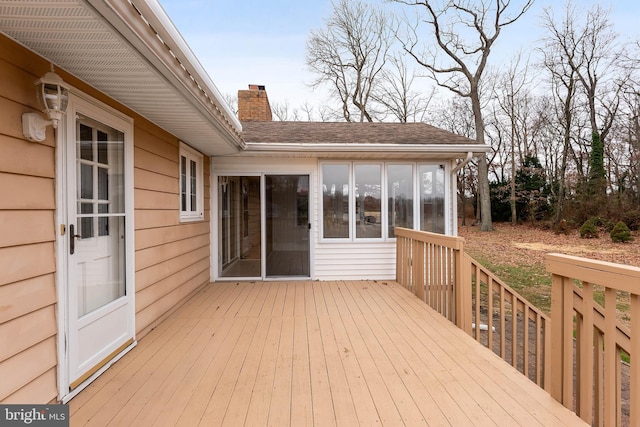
(264, 42)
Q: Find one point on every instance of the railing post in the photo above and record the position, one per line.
(462, 289)
(557, 304)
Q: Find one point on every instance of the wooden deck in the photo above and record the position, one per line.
(312, 353)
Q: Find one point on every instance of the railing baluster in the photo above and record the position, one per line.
(610, 392)
(490, 313)
(514, 331)
(525, 342)
(477, 302)
(586, 351)
(503, 325)
(634, 396)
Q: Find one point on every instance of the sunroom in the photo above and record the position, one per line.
(320, 201)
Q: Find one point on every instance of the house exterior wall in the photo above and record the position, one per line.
(171, 258)
(28, 354)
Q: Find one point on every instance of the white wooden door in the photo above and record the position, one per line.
(100, 313)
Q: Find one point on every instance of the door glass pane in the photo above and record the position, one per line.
(103, 183)
(103, 149)
(335, 201)
(400, 197)
(99, 252)
(432, 198)
(86, 181)
(368, 201)
(239, 216)
(287, 226)
(86, 145)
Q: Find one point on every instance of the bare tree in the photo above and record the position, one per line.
(513, 98)
(232, 102)
(397, 96)
(464, 32)
(350, 53)
(586, 44)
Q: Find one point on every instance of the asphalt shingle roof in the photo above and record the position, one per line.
(349, 133)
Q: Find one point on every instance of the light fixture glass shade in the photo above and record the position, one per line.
(53, 96)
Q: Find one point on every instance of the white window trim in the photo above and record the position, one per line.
(192, 155)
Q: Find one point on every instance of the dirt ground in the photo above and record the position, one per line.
(526, 245)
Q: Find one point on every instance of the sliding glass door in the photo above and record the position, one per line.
(253, 245)
(287, 225)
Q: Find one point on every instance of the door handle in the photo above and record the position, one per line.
(73, 236)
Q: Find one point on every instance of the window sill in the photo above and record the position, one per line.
(191, 218)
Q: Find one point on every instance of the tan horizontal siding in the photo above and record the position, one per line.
(20, 298)
(172, 258)
(26, 158)
(19, 370)
(154, 274)
(156, 182)
(147, 199)
(151, 294)
(25, 262)
(26, 227)
(151, 315)
(154, 237)
(41, 389)
(157, 164)
(148, 257)
(33, 328)
(26, 192)
(147, 218)
(27, 235)
(148, 138)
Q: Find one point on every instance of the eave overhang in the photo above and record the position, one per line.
(130, 51)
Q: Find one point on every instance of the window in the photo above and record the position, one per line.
(335, 201)
(191, 184)
(431, 198)
(368, 200)
(368, 196)
(400, 197)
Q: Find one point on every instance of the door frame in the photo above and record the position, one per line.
(87, 105)
(216, 223)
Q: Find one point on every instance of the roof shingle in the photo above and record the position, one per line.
(349, 133)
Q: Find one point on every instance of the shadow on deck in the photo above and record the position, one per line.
(312, 353)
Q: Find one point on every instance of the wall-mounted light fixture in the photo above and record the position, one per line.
(53, 97)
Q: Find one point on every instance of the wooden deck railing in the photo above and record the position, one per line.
(595, 382)
(430, 266)
(509, 325)
(593, 368)
(436, 269)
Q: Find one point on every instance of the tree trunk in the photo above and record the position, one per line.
(484, 193)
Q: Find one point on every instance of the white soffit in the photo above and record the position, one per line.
(114, 49)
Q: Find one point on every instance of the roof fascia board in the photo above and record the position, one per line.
(457, 149)
(153, 11)
(124, 18)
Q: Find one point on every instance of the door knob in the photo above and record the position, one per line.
(74, 236)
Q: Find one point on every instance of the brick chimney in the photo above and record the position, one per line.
(253, 105)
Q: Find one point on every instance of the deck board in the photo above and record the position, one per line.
(312, 353)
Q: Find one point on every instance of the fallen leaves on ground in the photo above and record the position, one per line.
(527, 245)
